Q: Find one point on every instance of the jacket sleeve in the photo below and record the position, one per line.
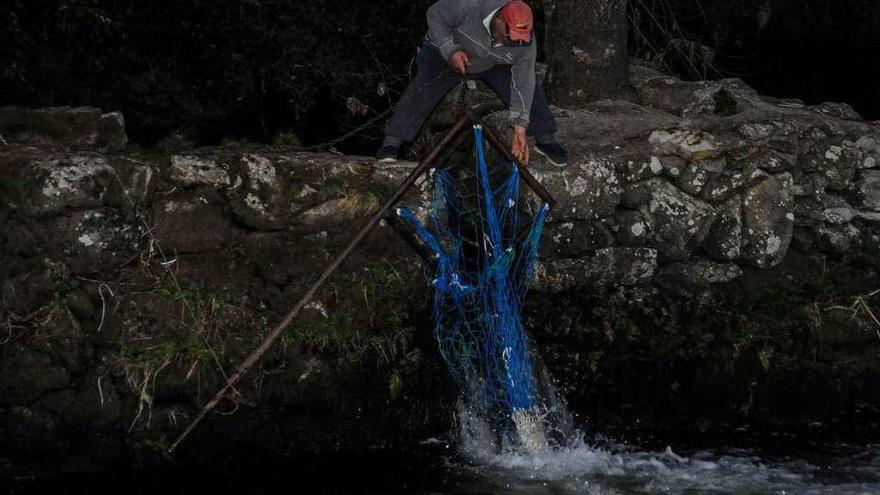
(522, 86)
(443, 17)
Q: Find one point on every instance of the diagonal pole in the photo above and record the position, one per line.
(276, 332)
(524, 172)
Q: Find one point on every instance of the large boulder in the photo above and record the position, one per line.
(574, 237)
(71, 127)
(76, 181)
(768, 221)
(588, 190)
(868, 190)
(195, 170)
(606, 267)
(725, 240)
(261, 195)
(679, 222)
(192, 224)
(26, 374)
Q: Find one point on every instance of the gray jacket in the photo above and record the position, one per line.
(463, 25)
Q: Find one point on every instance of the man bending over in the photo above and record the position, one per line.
(492, 40)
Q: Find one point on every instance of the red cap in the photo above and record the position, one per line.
(518, 17)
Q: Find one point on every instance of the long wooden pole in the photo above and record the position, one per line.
(276, 332)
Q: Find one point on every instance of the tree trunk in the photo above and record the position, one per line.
(586, 51)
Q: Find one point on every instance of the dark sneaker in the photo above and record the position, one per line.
(554, 152)
(388, 154)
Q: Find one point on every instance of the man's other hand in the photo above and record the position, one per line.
(460, 61)
(520, 145)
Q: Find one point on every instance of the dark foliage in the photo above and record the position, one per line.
(252, 69)
(237, 68)
(815, 50)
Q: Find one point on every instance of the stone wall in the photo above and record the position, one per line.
(132, 282)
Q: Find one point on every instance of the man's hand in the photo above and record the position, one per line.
(520, 145)
(460, 61)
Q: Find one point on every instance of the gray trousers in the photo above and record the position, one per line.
(434, 79)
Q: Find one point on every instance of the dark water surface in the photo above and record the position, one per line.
(776, 464)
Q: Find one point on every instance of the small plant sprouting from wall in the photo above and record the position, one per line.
(190, 343)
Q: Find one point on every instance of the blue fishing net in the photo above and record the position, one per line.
(483, 238)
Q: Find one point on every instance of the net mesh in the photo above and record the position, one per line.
(484, 243)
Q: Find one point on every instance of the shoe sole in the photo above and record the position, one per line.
(554, 163)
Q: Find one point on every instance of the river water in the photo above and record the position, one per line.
(458, 465)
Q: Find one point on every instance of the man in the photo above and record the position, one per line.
(492, 40)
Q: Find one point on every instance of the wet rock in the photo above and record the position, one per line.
(639, 170)
(608, 266)
(835, 161)
(589, 190)
(756, 131)
(723, 185)
(666, 93)
(605, 124)
(725, 238)
(29, 431)
(637, 194)
(631, 228)
(695, 175)
(133, 184)
(626, 266)
(192, 224)
(641, 73)
(768, 221)
(868, 190)
(679, 221)
(574, 237)
(276, 255)
(75, 127)
(219, 272)
(25, 375)
(261, 196)
(836, 210)
(28, 291)
(869, 148)
(61, 336)
(688, 145)
(392, 175)
(841, 111)
(773, 161)
(837, 238)
(94, 401)
(329, 169)
(77, 181)
(80, 304)
(695, 98)
(869, 216)
(694, 275)
(352, 206)
(191, 170)
(93, 240)
(823, 208)
(725, 97)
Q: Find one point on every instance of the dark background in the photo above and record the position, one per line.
(196, 72)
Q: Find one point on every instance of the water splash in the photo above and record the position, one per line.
(576, 465)
(584, 468)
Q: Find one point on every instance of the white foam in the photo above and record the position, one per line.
(577, 466)
(581, 468)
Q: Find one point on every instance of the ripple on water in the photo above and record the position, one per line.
(619, 469)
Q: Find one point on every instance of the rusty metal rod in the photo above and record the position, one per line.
(276, 332)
